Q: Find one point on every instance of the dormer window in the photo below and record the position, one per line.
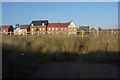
(32, 25)
(43, 24)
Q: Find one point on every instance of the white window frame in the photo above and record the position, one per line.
(40, 29)
(43, 24)
(43, 29)
(32, 29)
(32, 24)
(56, 28)
(53, 29)
(65, 28)
(48, 28)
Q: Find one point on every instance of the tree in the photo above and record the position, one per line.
(99, 29)
(37, 29)
(81, 28)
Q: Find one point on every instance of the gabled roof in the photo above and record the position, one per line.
(58, 24)
(93, 29)
(24, 26)
(5, 26)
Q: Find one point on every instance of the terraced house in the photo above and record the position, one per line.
(44, 27)
(39, 25)
(5, 29)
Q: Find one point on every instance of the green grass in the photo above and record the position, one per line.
(40, 49)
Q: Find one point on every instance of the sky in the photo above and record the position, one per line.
(93, 14)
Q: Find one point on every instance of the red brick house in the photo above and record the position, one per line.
(110, 30)
(45, 27)
(57, 28)
(40, 25)
(6, 28)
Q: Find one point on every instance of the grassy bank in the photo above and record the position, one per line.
(24, 54)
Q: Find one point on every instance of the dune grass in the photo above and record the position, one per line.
(24, 54)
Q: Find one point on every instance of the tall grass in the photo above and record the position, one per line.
(24, 54)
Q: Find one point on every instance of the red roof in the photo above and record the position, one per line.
(5, 26)
(24, 26)
(58, 24)
(110, 29)
(92, 29)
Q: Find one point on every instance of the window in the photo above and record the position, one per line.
(4, 31)
(32, 29)
(52, 28)
(43, 24)
(40, 29)
(43, 29)
(56, 28)
(48, 28)
(61, 28)
(32, 25)
(65, 28)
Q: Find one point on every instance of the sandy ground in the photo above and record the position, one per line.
(76, 70)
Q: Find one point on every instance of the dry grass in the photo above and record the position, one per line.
(23, 54)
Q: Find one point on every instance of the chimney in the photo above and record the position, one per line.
(17, 25)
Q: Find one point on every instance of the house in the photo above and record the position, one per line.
(22, 29)
(39, 25)
(111, 30)
(62, 28)
(6, 29)
(93, 31)
(43, 26)
(72, 28)
(58, 28)
(84, 28)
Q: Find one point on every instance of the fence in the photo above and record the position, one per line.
(82, 33)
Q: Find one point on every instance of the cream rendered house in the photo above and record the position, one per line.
(72, 29)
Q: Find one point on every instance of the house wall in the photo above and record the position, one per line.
(7, 29)
(57, 30)
(93, 31)
(4, 30)
(72, 29)
(41, 28)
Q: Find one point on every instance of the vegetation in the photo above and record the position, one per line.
(99, 29)
(24, 54)
(37, 29)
